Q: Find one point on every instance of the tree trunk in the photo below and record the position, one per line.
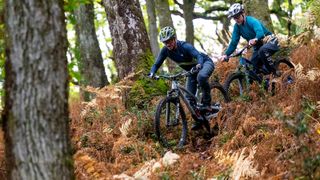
(129, 35)
(188, 6)
(224, 35)
(35, 116)
(289, 25)
(131, 49)
(164, 15)
(260, 10)
(153, 30)
(91, 63)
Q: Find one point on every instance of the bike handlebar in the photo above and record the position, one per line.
(239, 53)
(179, 75)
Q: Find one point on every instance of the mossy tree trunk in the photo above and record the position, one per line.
(91, 63)
(129, 35)
(131, 45)
(35, 116)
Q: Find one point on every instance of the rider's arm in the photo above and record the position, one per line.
(257, 27)
(194, 53)
(234, 40)
(159, 61)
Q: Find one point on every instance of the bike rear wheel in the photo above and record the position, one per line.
(287, 75)
(170, 123)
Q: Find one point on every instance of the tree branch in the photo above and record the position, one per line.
(201, 45)
(178, 13)
(205, 16)
(215, 8)
(177, 3)
(200, 15)
(280, 13)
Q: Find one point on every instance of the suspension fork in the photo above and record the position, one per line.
(172, 98)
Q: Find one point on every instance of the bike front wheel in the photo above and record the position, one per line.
(170, 123)
(235, 85)
(218, 93)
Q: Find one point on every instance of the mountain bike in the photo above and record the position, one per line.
(238, 83)
(170, 123)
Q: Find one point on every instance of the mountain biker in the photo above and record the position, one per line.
(187, 57)
(265, 43)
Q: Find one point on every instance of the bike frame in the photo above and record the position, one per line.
(176, 92)
(244, 67)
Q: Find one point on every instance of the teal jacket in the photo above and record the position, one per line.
(252, 28)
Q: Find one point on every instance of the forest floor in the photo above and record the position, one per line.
(260, 137)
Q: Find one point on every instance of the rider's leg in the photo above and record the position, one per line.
(265, 53)
(255, 60)
(192, 87)
(203, 77)
(257, 64)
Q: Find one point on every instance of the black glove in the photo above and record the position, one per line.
(195, 69)
(226, 59)
(198, 66)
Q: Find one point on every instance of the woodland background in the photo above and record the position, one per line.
(76, 101)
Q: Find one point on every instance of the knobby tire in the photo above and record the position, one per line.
(179, 132)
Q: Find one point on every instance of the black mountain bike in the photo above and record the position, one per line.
(170, 121)
(238, 83)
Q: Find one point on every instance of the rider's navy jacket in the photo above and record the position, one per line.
(185, 55)
(252, 28)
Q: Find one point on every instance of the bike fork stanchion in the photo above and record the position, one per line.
(168, 113)
(176, 117)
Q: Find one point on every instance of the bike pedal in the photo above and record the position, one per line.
(216, 107)
(211, 115)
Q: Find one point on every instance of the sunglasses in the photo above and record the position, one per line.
(168, 41)
(236, 17)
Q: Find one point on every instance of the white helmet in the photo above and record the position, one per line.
(235, 9)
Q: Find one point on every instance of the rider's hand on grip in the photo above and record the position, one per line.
(224, 58)
(198, 66)
(253, 42)
(195, 69)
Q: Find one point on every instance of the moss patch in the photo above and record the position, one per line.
(144, 88)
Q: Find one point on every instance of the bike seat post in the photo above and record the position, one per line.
(198, 92)
(174, 84)
(242, 61)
